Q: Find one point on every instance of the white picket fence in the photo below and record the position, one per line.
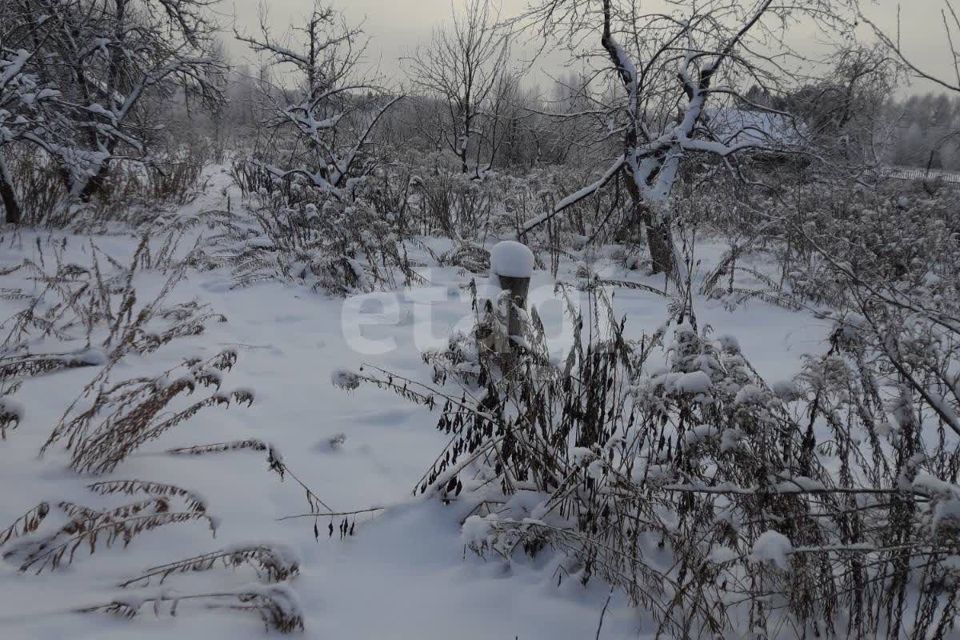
(912, 173)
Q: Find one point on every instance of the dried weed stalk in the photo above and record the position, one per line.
(271, 563)
(88, 528)
(119, 418)
(277, 605)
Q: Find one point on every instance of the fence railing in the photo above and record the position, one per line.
(913, 173)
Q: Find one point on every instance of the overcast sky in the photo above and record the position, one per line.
(397, 27)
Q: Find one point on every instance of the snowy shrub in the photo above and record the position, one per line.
(38, 186)
(332, 246)
(674, 472)
(167, 177)
(450, 203)
(253, 179)
(454, 205)
(882, 403)
(877, 238)
(89, 125)
(389, 189)
(828, 238)
(469, 256)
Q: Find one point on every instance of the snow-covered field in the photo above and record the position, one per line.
(405, 572)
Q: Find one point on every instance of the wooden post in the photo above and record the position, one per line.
(512, 264)
(518, 288)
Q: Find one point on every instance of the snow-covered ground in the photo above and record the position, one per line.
(405, 573)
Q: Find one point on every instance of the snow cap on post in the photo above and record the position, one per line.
(511, 263)
(512, 259)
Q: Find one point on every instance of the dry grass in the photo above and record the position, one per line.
(271, 564)
(73, 302)
(119, 418)
(277, 605)
(27, 523)
(88, 528)
(97, 303)
(94, 305)
(345, 520)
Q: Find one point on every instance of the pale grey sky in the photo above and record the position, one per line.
(396, 27)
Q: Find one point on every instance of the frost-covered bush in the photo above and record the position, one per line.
(882, 238)
(720, 503)
(339, 247)
(37, 183)
(822, 237)
(168, 177)
(410, 195)
(432, 197)
(355, 240)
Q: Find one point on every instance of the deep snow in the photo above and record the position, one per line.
(405, 574)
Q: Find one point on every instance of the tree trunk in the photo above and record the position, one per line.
(8, 196)
(94, 184)
(659, 237)
(519, 289)
(659, 241)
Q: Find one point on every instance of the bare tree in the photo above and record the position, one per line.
(466, 65)
(892, 45)
(669, 66)
(332, 112)
(22, 101)
(107, 59)
(845, 112)
(891, 42)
